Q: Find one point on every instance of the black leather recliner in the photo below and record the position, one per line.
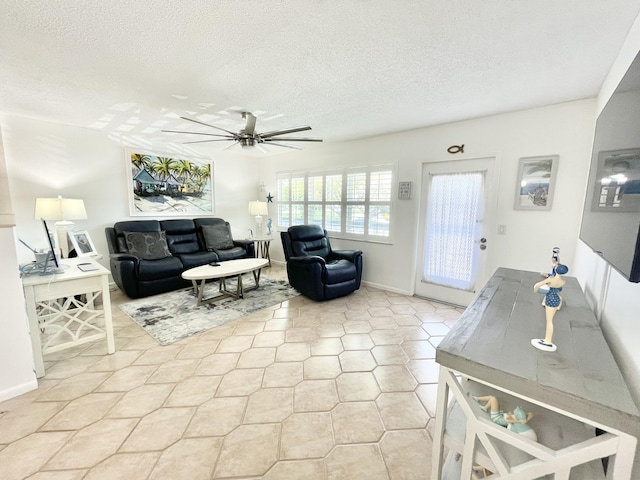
(314, 269)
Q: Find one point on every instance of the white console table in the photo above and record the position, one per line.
(586, 421)
(63, 311)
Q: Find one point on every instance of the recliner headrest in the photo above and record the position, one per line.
(304, 233)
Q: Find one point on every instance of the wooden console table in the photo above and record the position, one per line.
(586, 421)
(63, 311)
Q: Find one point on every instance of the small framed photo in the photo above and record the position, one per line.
(82, 243)
(534, 185)
(404, 190)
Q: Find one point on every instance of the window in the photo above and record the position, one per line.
(354, 203)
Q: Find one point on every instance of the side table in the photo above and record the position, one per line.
(262, 244)
(62, 309)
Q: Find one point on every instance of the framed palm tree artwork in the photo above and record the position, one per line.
(168, 184)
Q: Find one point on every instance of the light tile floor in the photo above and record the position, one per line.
(343, 389)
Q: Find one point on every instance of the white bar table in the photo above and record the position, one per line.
(62, 309)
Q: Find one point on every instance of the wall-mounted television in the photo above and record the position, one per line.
(611, 215)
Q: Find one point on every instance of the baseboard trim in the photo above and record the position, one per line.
(386, 288)
(18, 389)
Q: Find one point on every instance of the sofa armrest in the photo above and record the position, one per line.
(308, 260)
(124, 270)
(350, 255)
(305, 275)
(248, 245)
(124, 257)
(354, 256)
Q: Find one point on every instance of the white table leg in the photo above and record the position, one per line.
(34, 331)
(108, 320)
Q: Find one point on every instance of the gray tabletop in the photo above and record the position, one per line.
(492, 342)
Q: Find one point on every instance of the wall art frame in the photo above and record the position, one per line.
(535, 182)
(82, 243)
(170, 185)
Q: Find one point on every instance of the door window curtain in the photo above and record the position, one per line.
(454, 226)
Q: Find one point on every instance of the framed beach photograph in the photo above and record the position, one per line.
(168, 184)
(535, 182)
(82, 243)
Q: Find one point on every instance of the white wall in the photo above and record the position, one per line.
(616, 300)
(565, 130)
(16, 362)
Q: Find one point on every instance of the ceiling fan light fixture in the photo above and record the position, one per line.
(248, 137)
(247, 142)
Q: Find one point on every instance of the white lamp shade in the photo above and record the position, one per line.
(60, 209)
(258, 208)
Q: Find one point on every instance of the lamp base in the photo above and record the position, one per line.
(259, 225)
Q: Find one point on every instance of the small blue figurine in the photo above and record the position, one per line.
(269, 223)
(517, 422)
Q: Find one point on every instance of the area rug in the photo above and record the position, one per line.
(172, 316)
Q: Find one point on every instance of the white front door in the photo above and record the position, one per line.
(453, 243)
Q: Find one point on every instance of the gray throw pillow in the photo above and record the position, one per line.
(147, 245)
(217, 237)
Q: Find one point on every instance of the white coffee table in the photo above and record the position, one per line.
(230, 268)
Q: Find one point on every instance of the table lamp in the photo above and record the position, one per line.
(258, 209)
(63, 210)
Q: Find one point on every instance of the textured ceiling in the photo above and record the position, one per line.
(348, 68)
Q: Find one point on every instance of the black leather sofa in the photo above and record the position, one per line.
(147, 257)
(314, 269)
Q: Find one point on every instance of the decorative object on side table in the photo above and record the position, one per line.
(550, 287)
(63, 210)
(517, 421)
(258, 209)
(82, 243)
(555, 260)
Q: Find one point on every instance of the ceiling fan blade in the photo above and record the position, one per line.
(212, 140)
(284, 145)
(199, 133)
(212, 126)
(294, 139)
(250, 127)
(288, 130)
(261, 148)
(231, 146)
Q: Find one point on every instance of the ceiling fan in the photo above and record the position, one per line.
(248, 137)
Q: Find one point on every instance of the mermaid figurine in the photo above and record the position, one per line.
(552, 302)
